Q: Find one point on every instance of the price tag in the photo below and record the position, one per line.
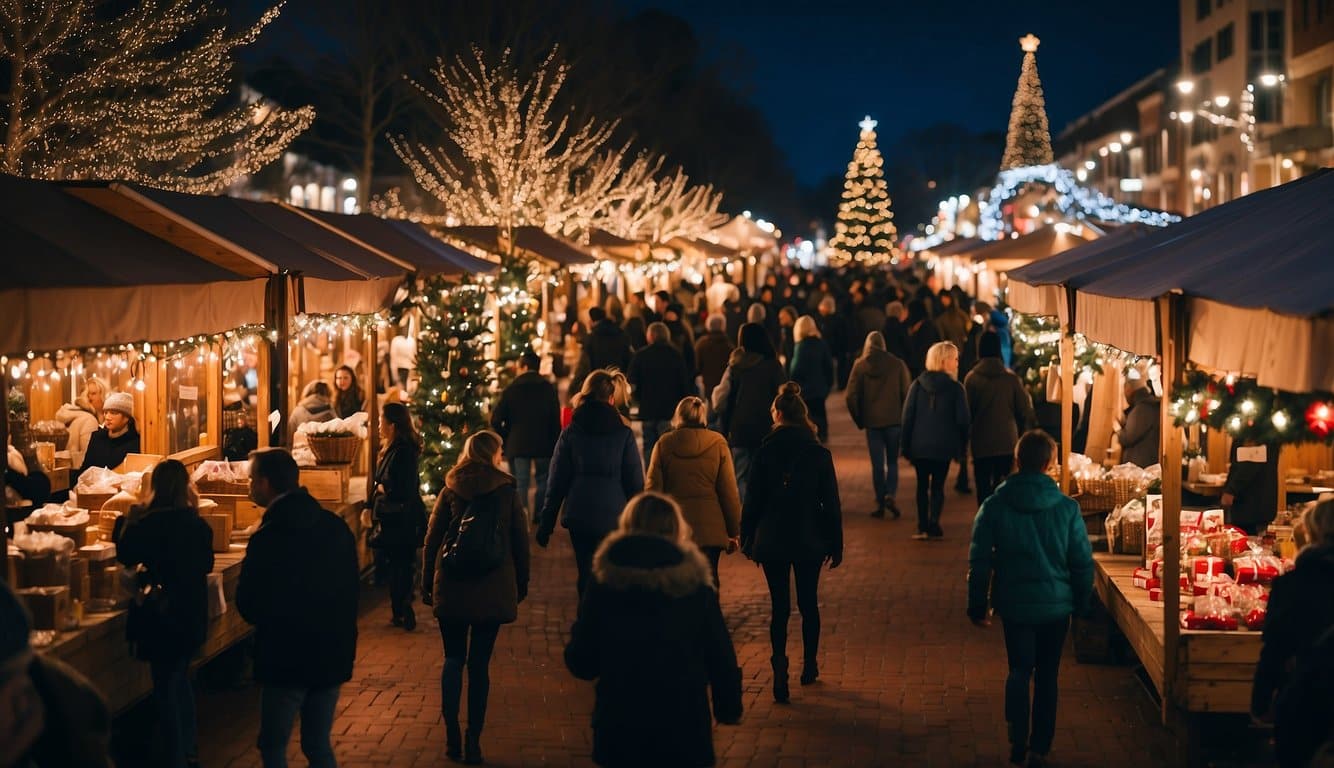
(189, 393)
(1258, 454)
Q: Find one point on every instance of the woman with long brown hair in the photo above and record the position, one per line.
(397, 508)
(348, 397)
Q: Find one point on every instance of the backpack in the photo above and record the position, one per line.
(477, 546)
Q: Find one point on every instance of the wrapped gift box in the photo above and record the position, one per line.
(1204, 569)
(49, 606)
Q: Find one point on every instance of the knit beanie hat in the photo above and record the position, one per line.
(14, 625)
(989, 345)
(119, 402)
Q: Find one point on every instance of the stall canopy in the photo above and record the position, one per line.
(1005, 255)
(79, 277)
(958, 245)
(425, 254)
(708, 248)
(744, 234)
(1256, 273)
(1036, 289)
(530, 241)
(602, 242)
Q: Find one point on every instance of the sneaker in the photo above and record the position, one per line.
(920, 536)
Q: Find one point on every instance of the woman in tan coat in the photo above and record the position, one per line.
(693, 465)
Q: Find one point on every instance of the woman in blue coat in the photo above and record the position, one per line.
(595, 470)
(935, 429)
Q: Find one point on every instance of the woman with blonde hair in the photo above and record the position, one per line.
(812, 367)
(595, 469)
(83, 416)
(470, 607)
(935, 430)
(650, 631)
(693, 465)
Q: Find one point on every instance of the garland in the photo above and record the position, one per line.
(1250, 412)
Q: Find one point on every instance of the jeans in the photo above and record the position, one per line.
(400, 568)
(988, 472)
(175, 701)
(653, 429)
(931, 474)
(585, 544)
(815, 407)
(741, 464)
(278, 708)
(477, 660)
(808, 582)
(1034, 653)
(883, 445)
(520, 466)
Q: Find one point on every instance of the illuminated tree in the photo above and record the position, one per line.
(1029, 139)
(864, 231)
(140, 91)
(657, 209)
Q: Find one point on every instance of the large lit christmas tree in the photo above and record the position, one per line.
(451, 400)
(865, 230)
(1029, 139)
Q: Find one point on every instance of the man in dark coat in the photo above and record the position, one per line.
(527, 418)
(635, 322)
(660, 380)
(606, 345)
(896, 333)
(1001, 409)
(921, 335)
(1250, 495)
(1139, 431)
(298, 587)
(682, 336)
(834, 328)
(712, 351)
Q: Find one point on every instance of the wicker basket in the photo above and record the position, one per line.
(334, 450)
(228, 487)
(51, 432)
(1105, 495)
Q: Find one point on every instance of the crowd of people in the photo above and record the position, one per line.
(731, 458)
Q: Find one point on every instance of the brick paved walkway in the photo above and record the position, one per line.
(905, 679)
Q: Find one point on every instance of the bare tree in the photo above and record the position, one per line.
(659, 209)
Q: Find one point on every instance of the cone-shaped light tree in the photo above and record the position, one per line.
(864, 231)
(1029, 139)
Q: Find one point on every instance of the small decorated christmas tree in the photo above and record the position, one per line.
(1029, 139)
(518, 316)
(864, 231)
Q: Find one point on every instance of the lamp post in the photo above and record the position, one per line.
(1212, 110)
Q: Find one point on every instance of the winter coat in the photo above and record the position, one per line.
(495, 597)
(869, 317)
(935, 418)
(792, 512)
(311, 408)
(651, 633)
(1254, 487)
(812, 367)
(712, 351)
(694, 466)
(834, 329)
(78, 726)
(176, 546)
(1301, 609)
(1139, 434)
(919, 342)
(896, 339)
(298, 587)
(754, 383)
(110, 452)
(877, 388)
(1030, 551)
(606, 345)
(81, 421)
(684, 340)
(999, 406)
(403, 518)
(528, 417)
(660, 379)
(594, 471)
(952, 325)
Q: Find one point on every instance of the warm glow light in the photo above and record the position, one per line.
(1115, 146)
(1127, 137)
(1186, 117)
(1222, 101)
(1287, 162)
(1196, 174)
(1269, 80)
(1185, 86)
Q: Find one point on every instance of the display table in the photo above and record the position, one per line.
(1214, 669)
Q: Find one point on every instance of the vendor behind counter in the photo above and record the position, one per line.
(1250, 495)
(117, 438)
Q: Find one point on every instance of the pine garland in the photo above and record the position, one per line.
(864, 231)
(1248, 411)
(1037, 343)
(1028, 141)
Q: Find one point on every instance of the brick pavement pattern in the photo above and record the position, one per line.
(905, 679)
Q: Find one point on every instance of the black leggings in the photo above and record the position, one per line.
(400, 570)
(477, 660)
(931, 474)
(808, 585)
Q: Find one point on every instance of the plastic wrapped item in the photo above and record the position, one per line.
(1210, 612)
(223, 477)
(1257, 569)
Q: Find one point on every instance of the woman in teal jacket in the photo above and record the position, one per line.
(1031, 553)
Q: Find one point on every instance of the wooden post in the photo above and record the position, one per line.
(264, 394)
(1067, 404)
(4, 440)
(372, 404)
(213, 387)
(1170, 344)
(278, 316)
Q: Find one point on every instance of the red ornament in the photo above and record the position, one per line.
(1320, 418)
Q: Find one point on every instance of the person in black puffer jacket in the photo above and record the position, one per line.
(742, 399)
(397, 506)
(792, 522)
(595, 469)
(935, 428)
(651, 632)
(175, 547)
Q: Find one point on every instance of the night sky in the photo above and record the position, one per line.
(815, 68)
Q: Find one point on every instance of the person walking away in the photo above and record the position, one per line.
(1000, 409)
(834, 328)
(951, 322)
(713, 350)
(743, 397)
(634, 326)
(659, 379)
(118, 436)
(1292, 678)
(348, 397)
(1139, 426)
(868, 315)
(595, 469)
(298, 587)
(527, 418)
(1030, 551)
(787, 342)
(896, 332)
(935, 428)
(682, 336)
(791, 525)
(397, 508)
(812, 368)
(651, 632)
(921, 336)
(173, 546)
(877, 389)
(472, 602)
(606, 345)
(693, 465)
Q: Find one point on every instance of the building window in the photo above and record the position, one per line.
(1225, 42)
(1202, 57)
(1265, 57)
(1324, 101)
(1202, 9)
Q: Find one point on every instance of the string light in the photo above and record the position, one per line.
(1028, 141)
(864, 231)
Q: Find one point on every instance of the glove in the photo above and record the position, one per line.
(543, 536)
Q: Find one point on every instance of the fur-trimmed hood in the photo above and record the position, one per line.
(630, 561)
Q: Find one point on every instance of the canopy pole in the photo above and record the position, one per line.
(4, 440)
(277, 317)
(1067, 404)
(1170, 342)
(371, 343)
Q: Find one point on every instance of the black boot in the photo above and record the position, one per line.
(453, 742)
(472, 748)
(810, 671)
(781, 694)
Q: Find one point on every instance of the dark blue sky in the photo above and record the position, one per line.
(815, 68)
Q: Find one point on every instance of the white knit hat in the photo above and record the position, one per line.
(119, 402)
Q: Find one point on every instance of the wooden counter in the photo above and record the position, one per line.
(1215, 669)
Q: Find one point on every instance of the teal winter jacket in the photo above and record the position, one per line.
(1030, 549)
